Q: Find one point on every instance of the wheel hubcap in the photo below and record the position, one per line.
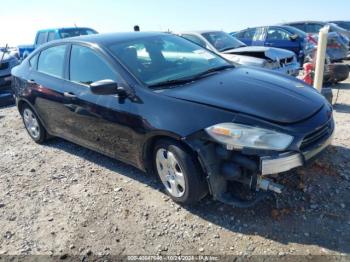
(170, 173)
(31, 123)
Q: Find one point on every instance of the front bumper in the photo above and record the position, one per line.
(290, 160)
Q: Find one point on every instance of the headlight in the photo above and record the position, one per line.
(237, 136)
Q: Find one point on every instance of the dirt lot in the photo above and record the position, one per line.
(61, 199)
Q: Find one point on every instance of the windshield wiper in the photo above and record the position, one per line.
(213, 70)
(191, 78)
(172, 82)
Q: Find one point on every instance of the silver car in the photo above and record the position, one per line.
(236, 51)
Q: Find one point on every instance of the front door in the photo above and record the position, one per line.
(99, 122)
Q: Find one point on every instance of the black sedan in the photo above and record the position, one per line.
(168, 106)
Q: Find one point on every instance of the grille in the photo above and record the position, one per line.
(4, 66)
(316, 136)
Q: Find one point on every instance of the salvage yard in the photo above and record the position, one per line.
(65, 200)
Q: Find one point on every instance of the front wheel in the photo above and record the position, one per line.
(179, 172)
(33, 126)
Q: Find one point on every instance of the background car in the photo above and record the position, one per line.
(234, 50)
(47, 35)
(294, 39)
(8, 60)
(314, 27)
(338, 38)
(284, 37)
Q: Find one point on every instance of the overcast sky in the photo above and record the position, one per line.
(20, 19)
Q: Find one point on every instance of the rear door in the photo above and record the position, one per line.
(46, 79)
(280, 38)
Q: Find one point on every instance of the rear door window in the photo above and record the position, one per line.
(51, 61)
(87, 66)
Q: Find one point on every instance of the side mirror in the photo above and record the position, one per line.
(294, 37)
(107, 87)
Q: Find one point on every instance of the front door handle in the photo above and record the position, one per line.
(69, 95)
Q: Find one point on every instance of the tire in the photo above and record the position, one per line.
(339, 72)
(33, 125)
(179, 172)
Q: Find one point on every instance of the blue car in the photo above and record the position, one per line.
(285, 37)
(48, 35)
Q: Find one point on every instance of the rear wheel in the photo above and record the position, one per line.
(179, 172)
(33, 126)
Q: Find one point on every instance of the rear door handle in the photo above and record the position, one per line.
(69, 95)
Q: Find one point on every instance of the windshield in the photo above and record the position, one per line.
(161, 58)
(223, 41)
(65, 33)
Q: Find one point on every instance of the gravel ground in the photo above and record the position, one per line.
(61, 199)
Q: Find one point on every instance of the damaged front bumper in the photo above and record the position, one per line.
(292, 69)
(290, 160)
(223, 166)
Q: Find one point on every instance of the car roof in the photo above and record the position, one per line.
(62, 28)
(285, 26)
(303, 22)
(110, 38)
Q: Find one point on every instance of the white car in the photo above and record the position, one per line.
(236, 51)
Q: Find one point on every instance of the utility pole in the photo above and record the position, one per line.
(321, 58)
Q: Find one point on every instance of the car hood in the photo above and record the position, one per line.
(262, 52)
(260, 93)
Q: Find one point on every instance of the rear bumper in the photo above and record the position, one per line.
(290, 160)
